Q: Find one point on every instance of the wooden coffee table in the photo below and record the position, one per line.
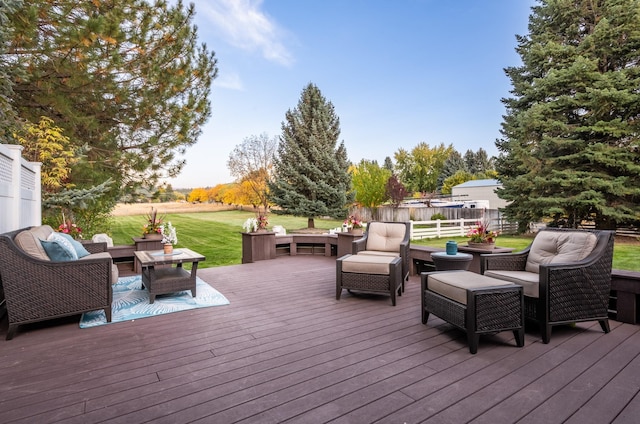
(159, 278)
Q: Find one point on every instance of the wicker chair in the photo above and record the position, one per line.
(387, 239)
(38, 290)
(569, 286)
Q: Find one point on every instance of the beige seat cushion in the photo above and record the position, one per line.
(530, 281)
(364, 264)
(29, 241)
(454, 285)
(386, 237)
(379, 253)
(559, 247)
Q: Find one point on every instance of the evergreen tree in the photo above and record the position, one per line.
(453, 164)
(7, 71)
(470, 161)
(388, 164)
(128, 79)
(482, 162)
(311, 174)
(570, 146)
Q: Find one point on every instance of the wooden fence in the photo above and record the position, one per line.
(456, 223)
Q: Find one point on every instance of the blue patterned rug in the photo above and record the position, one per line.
(131, 301)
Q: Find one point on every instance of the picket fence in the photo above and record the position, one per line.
(441, 228)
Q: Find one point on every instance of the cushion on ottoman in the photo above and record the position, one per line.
(454, 285)
(367, 264)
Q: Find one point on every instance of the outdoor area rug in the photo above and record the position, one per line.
(131, 301)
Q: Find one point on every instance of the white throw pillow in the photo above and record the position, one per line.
(64, 243)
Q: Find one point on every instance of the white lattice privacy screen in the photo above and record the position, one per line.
(20, 195)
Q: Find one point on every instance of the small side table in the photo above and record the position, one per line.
(171, 279)
(444, 262)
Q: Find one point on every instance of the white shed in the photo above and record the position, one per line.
(479, 190)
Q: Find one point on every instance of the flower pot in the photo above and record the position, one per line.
(356, 231)
(152, 236)
(485, 246)
(168, 248)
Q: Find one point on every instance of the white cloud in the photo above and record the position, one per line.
(230, 81)
(244, 25)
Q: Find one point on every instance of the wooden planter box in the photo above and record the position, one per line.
(258, 246)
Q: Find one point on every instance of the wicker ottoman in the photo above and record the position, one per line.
(370, 274)
(474, 303)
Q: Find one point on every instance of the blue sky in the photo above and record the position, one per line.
(397, 72)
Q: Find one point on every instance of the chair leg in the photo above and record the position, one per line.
(425, 316)
(12, 331)
(519, 336)
(604, 323)
(473, 339)
(545, 332)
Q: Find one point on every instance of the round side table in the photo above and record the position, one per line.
(444, 262)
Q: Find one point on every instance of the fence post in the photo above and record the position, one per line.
(13, 217)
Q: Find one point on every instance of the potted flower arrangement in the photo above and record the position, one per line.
(169, 237)
(72, 229)
(354, 224)
(252, 225)
(480, 236)
(152, 229)
(68, 227)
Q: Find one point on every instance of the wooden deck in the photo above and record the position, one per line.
(285, 350)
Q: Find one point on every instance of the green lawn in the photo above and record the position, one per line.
(216, 235)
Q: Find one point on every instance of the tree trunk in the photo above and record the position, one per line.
(311, 223)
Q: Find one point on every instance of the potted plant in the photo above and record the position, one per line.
(152, 229)
(253, 225)
(354, 224)
(481, 237)
(169, 237)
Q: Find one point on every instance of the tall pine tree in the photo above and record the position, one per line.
(311, 169)
(570, 146)
(127, 79)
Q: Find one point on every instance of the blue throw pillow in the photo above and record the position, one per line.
(59, 252)
(79, 248)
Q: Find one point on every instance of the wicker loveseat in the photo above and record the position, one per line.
(566, 276)
(37, 288)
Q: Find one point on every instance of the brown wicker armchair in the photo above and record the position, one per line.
(387, 239)
(36, 289)
(567, 286)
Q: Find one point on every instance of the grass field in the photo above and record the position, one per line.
(216, 234)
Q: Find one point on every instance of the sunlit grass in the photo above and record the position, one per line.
(217, 236)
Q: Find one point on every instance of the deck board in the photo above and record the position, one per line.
(285, 350)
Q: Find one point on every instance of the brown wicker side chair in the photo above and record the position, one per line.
(566, 275)
(387, 239)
